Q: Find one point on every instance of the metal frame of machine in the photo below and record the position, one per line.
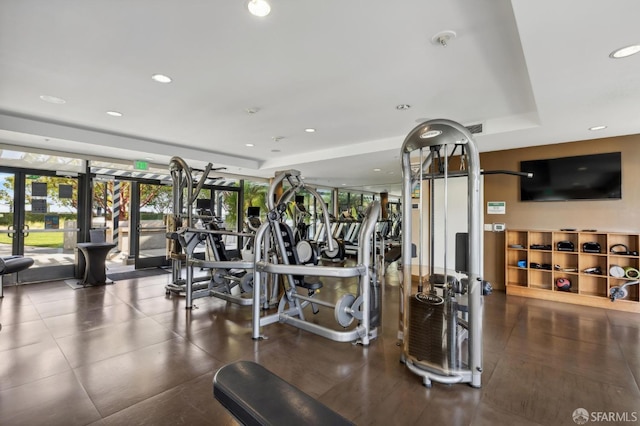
(434, 325)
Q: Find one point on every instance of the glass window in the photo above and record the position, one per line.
(32, 160)
(51, 218)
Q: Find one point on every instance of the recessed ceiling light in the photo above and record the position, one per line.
(402, 107)
(443, 38)
(114, 113)
(249, 144)
(275, 150)
(597, 128)
(277, 138)
(252, 110)
(625, 51)
(259, 8)
(344, 184)
(53, 99)
(376, 170)
(310, 130)
(161, 78)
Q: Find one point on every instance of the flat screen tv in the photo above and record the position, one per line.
(203, 204)
(585, 177)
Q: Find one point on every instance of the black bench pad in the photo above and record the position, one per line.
(256, 396)
(11, 264)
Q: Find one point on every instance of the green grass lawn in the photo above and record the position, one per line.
(35, 239)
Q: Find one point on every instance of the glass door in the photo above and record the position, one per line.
(40, 220)
(154, 206)
(8, 235)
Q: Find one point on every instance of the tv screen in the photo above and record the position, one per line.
(253, 211)
(585, 177)
(203, 204)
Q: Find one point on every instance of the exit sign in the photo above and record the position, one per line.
(140, 165)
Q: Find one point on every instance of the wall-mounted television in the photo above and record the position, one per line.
(584, 177)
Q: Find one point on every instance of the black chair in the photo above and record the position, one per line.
(12, 264)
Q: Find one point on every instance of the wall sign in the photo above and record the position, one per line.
(38, 206)
(51, 221)
(496, 207)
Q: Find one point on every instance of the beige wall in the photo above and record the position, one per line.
(604, 215)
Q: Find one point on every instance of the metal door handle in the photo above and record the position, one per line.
(26, 233)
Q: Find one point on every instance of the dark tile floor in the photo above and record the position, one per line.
(126, 354)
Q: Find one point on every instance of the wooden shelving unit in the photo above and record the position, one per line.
(534, 263)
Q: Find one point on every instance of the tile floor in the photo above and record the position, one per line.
(127, 354)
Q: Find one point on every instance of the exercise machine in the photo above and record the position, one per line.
(229, 278)
(274, 243)
(184, 196)
(441, 319)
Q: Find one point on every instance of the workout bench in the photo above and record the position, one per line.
(256, 396)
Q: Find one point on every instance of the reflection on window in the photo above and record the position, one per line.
(32, 160)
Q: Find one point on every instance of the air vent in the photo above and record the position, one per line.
(475, 128)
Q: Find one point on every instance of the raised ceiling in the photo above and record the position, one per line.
(531, 72)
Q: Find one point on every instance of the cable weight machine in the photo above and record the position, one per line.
(227, 276)
(441, 319)
(277, 256)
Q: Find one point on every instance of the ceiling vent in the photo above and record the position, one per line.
(475, 128)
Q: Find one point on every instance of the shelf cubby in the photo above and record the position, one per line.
(592, 237)
(591, 285)
(541, 279)
(518, 239)
(517, 276)
(563, 236)
(589, 260)
(566, 261)
(516, 255)
(629, 241)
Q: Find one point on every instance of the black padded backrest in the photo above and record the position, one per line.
(217, 244)
(462, 252)
(289, 250)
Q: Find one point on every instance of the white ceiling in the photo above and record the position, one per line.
(532, 72)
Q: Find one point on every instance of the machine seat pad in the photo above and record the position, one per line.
(256, 396)
(311, 283)
(11, 264)
(393, 254)
(238, 273)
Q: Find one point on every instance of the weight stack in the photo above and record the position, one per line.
(432, 331)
